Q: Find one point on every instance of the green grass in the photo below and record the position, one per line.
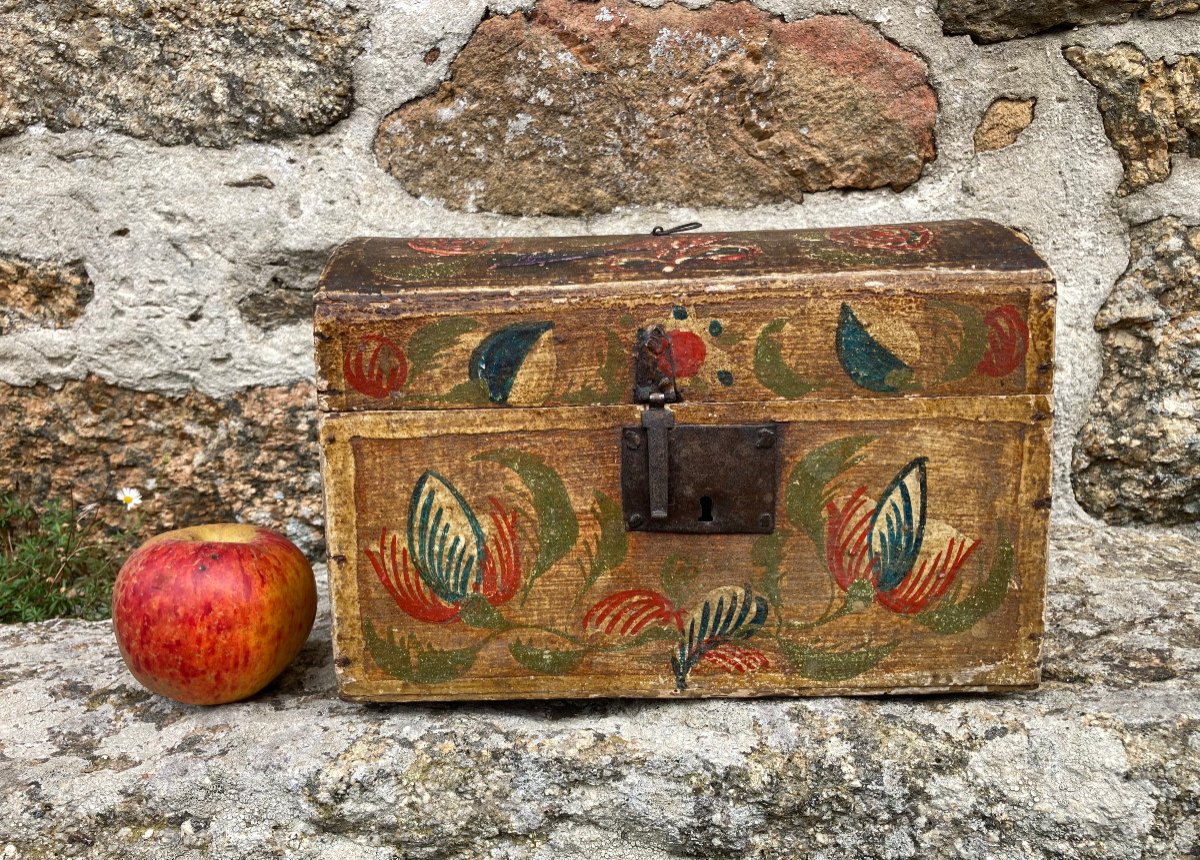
(55, 562)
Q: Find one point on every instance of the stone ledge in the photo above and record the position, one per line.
(1101, 762)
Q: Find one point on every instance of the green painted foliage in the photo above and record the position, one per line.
(613, 374)
(677, 576)
(475, 611)
(409, 660)
(767, 554)
(546, 661)
(610, 546)
(470, 393)
(807, 493)
(820, 664)
(955, 616)
(557, 527)
(770, 368)
(436, 337)
(974, 341)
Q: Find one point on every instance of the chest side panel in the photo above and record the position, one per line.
(732, 341)
(484, 554)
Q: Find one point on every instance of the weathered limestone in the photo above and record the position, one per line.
(1100, 763)
(580, 108)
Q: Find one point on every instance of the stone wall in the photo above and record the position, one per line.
(174, 175)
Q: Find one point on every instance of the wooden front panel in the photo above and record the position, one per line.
(483, 554)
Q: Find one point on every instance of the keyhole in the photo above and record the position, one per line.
(706, 509)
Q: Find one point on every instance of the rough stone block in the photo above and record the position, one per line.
(1150, 109)
(1003, 122)
(581, 108)
(250, 457)
(999, 20)
(43, 293)
(213, 73)
(1138, 456)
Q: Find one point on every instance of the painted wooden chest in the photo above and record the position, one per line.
(722, 464)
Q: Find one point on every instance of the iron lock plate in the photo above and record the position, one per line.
(699, 478)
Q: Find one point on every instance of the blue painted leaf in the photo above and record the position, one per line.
(444, 538)
(866, 361)
(724, 615)
(500, 355)
(898, 526)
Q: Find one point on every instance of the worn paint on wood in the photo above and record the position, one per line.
(479, 552)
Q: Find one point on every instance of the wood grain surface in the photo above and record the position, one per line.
(471, 455)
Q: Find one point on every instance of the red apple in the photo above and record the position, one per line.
(212, 614)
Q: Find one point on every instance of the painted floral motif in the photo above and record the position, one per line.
(992, 344)
(375, 366)
(873, 550)
(520, 363)
(711, 631)
(901, 238)
(450, 558)
(866, 361)
(1007, 342)
(699, 350)
(688, 351)
(499, 357)
(891, 556)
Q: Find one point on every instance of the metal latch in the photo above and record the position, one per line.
(693, 478)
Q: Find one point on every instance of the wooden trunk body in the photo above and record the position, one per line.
(476, 395)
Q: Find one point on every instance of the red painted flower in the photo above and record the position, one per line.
(1008, 341)
(847, 554)
(500, 570)
(502, 561)
(449, 247)
(929, 580)
(628, 613)
(906, 237)
(405, 585)
(687, 350)
(736, 658)
(375, 366)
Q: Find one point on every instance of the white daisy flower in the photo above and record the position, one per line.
(129, 497)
